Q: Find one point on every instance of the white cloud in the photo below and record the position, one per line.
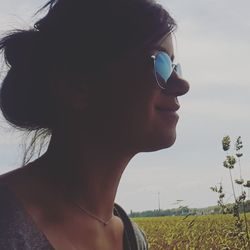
(15, 14)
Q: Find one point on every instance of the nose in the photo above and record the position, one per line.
(177, 85)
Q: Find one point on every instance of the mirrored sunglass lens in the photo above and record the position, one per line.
(163, 68)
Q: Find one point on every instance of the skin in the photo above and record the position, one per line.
(100, 129)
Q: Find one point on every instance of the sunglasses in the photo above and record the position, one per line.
(164, 67)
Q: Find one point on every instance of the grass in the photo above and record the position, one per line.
(193, 232)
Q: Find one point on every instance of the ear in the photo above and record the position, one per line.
(70, 94)
(78, 96)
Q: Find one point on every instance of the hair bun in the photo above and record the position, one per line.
(23, 89)
(19, 47)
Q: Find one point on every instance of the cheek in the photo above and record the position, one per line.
(156, 135)
(149, 129)
(125, 112)
(123, 108)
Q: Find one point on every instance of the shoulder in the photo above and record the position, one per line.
(140, 235)
(10, 221)
(133, 229)
(16, 230)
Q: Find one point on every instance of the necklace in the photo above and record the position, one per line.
(105, 223)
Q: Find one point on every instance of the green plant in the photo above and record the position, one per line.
(240, 229)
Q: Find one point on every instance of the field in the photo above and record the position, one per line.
(206, 232)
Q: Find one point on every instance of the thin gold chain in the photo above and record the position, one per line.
(105, 223)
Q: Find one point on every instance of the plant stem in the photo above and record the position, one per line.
(239, 167)
(246, 223)
(232, 184)
(239, 163)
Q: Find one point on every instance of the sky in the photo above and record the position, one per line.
(213, 47)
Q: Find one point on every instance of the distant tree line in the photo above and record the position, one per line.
(184, 211)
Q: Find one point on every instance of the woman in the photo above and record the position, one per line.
(99, 78)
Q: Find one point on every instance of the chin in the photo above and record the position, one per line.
(161, 143)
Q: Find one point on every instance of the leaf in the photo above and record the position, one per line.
(226, 143)
(239, 181)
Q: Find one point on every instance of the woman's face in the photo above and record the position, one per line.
(130, 110)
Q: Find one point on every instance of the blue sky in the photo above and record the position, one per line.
(213, 47)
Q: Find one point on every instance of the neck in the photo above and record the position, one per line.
(87, 172)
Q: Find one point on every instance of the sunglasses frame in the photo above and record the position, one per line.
(175, 67)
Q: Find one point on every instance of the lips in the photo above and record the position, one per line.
(169, 108)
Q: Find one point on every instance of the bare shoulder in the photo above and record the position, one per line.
(16, 179)
(24, 184)
(12, 177)
(29, 190)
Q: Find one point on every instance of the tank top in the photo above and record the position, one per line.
(18, 231)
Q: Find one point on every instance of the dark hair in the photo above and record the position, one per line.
(69, 37)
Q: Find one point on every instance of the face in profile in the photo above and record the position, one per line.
(128, 109)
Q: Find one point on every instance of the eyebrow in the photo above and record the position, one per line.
(159, 47)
